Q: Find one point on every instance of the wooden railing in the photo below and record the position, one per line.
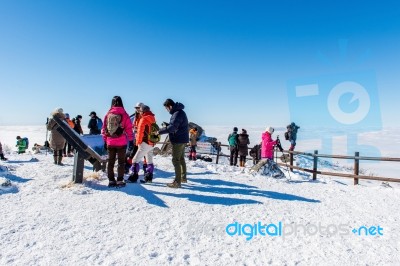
(356, 172)
(356, 169)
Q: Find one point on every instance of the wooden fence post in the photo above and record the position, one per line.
(356, 166)
(291, 161)
(315, 167)
(218, 149)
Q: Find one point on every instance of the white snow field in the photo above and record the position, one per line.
(222, 216)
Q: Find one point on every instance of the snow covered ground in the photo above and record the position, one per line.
(46, 220)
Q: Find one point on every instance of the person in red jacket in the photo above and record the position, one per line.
(117, 134)
(145, 146)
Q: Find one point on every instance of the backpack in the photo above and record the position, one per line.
(152, 136)
(26, 142)
(114, 127)
(99, 124)
(287, 135)
(232, 139)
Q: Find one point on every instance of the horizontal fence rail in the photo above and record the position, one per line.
(355, 175)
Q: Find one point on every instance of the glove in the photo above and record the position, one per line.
(130, 145)
(105, 146)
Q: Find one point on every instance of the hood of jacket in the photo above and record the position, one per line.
(177, 107)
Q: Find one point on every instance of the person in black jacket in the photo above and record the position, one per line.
(78, 127)
(243, 146)
(94, 128)
(178, 132)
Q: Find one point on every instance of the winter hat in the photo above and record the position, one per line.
(66, 115)
(58, 110)
(270, 130)
(18, 137)
(92, 113)
(235, 129)
(139, 105)
(244, 131)
(144, 108)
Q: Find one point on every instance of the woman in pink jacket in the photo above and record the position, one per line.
(117, 133)
(267, 145)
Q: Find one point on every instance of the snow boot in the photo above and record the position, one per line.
(174, 185)
(120, 182)
(135, 175)
(55, 159)
(148, 176)
(2, 157)
(112, 183)
(59, 159)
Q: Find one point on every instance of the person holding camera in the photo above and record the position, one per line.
(178, 132)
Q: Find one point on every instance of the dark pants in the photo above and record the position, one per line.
(242, 159)
(233, 156)
(114, 152)
(178, 160)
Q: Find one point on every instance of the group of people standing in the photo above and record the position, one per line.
(120, 135)
(238, 143)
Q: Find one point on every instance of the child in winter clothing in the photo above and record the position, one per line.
(21, 144)
(243, 142)
(233, 148)
(116, 141)
(267, 144)
(193, 143)
(145, 146)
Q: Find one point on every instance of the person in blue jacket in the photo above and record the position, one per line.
(178, 132)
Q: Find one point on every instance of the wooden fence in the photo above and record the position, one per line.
(355, 175)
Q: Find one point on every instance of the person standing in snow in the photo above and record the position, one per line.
(193, 143)
(292, 132)
(145, 146)
(243, 147)
(178, 132)
(233, 148)
(93, 124)
(117, 135)
(67, 151)
(78, 127)
(2, 154)
(57, 141)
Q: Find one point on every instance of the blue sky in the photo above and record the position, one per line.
(229, 62)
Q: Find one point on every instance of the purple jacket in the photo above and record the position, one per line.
(126, 125)
(267, 146)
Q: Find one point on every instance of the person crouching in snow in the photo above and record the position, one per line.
(145, 146)
(193, 144)
(21, 145)
(268, 166)
(267, 144)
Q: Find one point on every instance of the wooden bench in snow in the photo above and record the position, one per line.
(82, 150)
